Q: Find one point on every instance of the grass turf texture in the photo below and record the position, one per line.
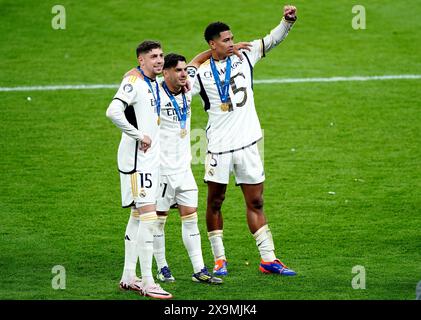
(60, 188)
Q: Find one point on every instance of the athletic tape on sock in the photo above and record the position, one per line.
(148, 216)
(189, 217)
(215, 233)
(260, 231)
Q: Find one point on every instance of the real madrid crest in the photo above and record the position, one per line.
(142, 193)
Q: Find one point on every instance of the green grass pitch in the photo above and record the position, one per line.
(60, 200)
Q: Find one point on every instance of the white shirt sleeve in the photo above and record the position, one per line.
(115, 112)
(260, 47)
(256, 52)
(277, 35)
(127, 92)
(194, 84)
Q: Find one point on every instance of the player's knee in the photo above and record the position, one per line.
(256, 203)
(216, 202)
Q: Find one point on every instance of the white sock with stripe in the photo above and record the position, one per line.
(159, 243)
(130, 247)
(147, 225)
(192, 241)
(218, 250)
(264, 242)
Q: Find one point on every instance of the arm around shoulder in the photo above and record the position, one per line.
(200, 58)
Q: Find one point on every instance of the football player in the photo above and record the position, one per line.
(225, 84)
(135, 111)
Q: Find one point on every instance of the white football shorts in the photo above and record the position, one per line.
(245, 164)
(139, 188)
(178, 189)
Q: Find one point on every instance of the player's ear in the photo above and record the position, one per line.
(212, 44)
(140, 60)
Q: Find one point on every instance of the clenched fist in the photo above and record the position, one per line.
(290, 13)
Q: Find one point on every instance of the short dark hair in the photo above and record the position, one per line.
(171, 60)
(214, 29)
(147, 46)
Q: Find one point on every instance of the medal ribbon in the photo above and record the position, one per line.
(182, 116)
(157, 98)
(222, 90)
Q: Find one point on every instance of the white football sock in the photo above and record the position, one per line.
(191, 240)
(147, 225)
(218, 250)
(130, 243)
(264, 242)
(159, 243)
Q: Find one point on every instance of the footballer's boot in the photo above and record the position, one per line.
(165, 275)
(134, 285)
(204, 276)
(220, 268)
(277, 267)
(154, 291)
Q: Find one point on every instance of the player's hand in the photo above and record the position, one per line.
(241, 46)
(145, 144)
(290, 13)
(133, 72)
(187, 87)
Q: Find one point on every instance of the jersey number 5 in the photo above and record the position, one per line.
(236, 90)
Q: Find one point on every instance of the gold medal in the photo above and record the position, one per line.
(158, 121)
(183, 133)
(225, 107)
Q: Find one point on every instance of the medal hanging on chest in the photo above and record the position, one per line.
(181, 114)
(225, 107)
(223, 88)
(156, 97)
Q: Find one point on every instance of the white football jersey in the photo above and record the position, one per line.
(140, 111)
(175, 148)
(238, 127)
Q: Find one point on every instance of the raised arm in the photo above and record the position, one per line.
(279, 33)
